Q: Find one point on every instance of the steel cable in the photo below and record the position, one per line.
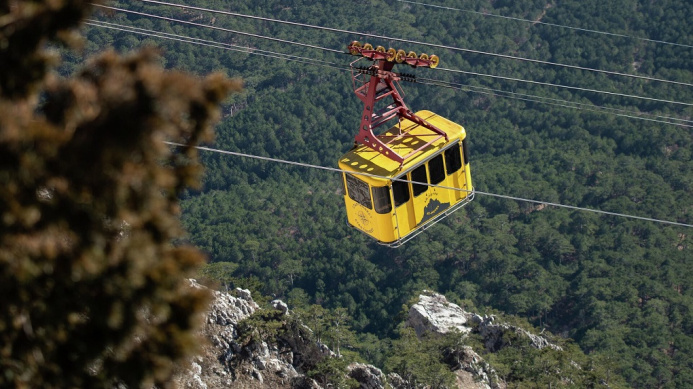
(424, 81)
(475, 192)
(216, 28)
(205, 42)
(443, 69)
(331, 29)
(533, 22)
(567, 87)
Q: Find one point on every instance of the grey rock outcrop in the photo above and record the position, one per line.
(227, 361)
(280, 306)
(494, 340)
(397, 382)
(472, 371)
(434, 313)
(370, 377)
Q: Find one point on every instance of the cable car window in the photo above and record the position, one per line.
(419, 175)
(452, 159)
(436, 169)
(358, 191)
(400, 191)
(381, 199)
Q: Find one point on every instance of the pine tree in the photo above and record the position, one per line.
(94, 293)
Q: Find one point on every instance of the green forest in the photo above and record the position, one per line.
(620, 288)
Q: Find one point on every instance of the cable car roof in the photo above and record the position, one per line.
(363, 159)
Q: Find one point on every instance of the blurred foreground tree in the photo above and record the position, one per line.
(93, 291)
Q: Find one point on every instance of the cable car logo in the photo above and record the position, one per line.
(433, 208)
(363, 219)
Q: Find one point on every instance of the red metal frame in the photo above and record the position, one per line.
(381, 85)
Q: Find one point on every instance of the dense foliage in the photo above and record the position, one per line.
(621, 288)
(93, 292)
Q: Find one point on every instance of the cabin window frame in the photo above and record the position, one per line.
(460, 144)
(400, 184)
(439, 170)
(419, 187)
(382, 203)
(358, 194)
(454, 149)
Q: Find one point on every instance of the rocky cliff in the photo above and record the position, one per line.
(232, 358)
(227, 360)
(257, 366)
(434, 313)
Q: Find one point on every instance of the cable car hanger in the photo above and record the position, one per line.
(380, 85)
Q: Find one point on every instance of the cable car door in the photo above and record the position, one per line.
(429, 201)
(405, 220)
(419, 191)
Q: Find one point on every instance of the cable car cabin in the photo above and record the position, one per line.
(393, 211)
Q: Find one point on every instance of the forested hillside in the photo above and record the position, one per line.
(620, 287)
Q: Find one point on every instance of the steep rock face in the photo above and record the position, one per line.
(225, 363)
(266, 367)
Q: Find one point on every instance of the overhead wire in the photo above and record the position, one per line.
(505, 56)
(442, 69)
(216, 28)
(568, 87)
(474, 191)
(425, 81)
(559, 102)
(533, 22)
(205, 42)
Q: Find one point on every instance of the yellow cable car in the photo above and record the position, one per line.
(402, 181)
(394, 211)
